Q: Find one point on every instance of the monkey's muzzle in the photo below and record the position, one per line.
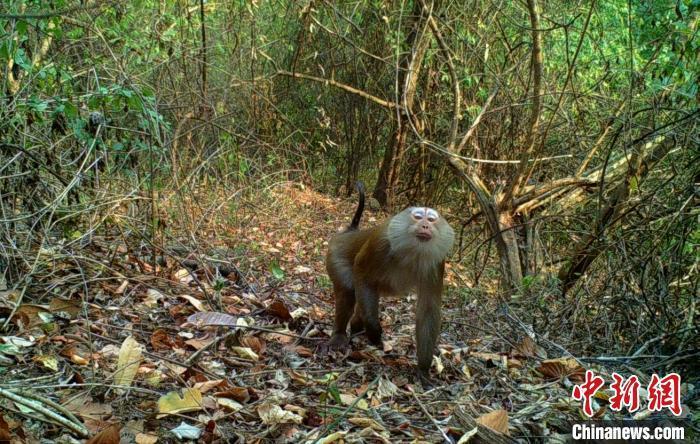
(424, 236)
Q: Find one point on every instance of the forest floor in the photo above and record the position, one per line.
(218, 342)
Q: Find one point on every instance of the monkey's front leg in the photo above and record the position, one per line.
(428, 320)
(344, 307)
(368, 306)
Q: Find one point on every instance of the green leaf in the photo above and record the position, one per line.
(335, 393)
(276, 271)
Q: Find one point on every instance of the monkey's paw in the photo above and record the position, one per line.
(424, 379)
(338, 342)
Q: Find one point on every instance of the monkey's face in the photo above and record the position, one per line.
(423, 223)
(420, 231)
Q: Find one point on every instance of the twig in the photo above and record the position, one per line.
(435, 423)
(193, 358)
(79, 429)
(347, 410)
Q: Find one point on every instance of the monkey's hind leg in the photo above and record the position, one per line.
(368, 306)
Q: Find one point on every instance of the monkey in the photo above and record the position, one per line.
(405, 252)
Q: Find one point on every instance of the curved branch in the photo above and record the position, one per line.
(343, 86)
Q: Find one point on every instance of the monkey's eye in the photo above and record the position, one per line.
(432, 215)
(418, 213)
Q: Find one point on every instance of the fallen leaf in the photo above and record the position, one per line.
(464, 439)
(110, 435)
(278, 309)
(210, 318)
(333, 437)
(348, 399)
(205, 386)
(229, 404)
(186, 431)
(255, 343)
(385, 389)
(145, 438)
(47, 361)
(196, 303)
(153, 297)
(301, 269)
(496, 421)
(130, 356)
(183, 275)
(299, 313)
(72, 307)
(366, 422)
(160, 340)
(562, 367)
(272, 414)
(172, 402)
(245, 352)
(122, 287)
(72, 353)
(5, 436)
(240, 394)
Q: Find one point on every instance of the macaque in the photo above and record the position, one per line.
(405, 252)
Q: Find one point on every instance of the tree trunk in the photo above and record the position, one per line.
(418, 41)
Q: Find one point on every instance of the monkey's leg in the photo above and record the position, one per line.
(368, 306)
(427, 330)
(344, 306)
(356, 322)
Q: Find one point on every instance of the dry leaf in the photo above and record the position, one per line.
(71, 352)
(333, 437)
(301, 269)
(464, 439)
(527, 348)
(69, 306)
(245, 352)
(145, 438)
(493, 357)
(366, 422)
(209, 318)
(272, 414)
(348, 399)
(240, 394)
(205, 386)
(47, 361)
(229, 404)
(183, 275)
(278, 309)
(110, 435)
(496, 421)
(255, 343)
(563, 367)
(160, 340)
(122, 287)
(385, 389)
(152, 298)
(4, 430)
(171, 403)
(130, 357)
(199, 305)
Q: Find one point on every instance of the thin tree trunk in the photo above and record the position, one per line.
(390, 170)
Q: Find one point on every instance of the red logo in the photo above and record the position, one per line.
(626, 393)
(665, 392)
(584, 392)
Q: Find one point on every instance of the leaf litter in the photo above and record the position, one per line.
(218, 342)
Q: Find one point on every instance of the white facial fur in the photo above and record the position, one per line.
(402, 229)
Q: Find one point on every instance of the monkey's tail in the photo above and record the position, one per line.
(360, 206)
